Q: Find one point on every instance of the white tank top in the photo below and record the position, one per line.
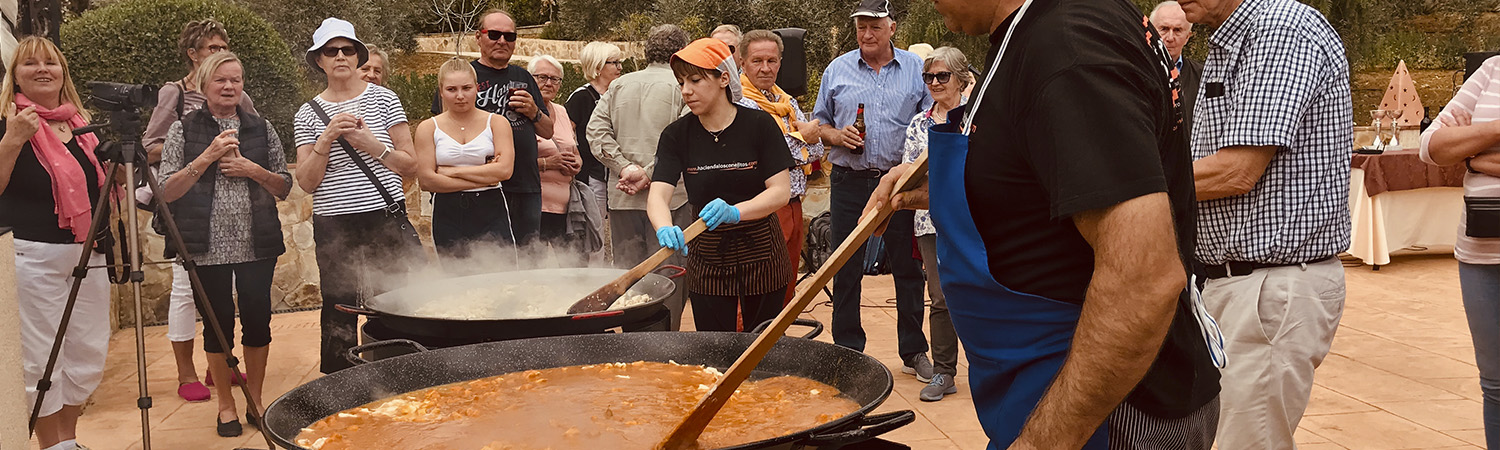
(477, 151)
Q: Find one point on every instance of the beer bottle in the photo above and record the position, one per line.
(859, 124)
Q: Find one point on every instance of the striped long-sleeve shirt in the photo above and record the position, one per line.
(1479, 97)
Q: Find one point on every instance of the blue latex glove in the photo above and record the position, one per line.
(719, 212)
(671, 237)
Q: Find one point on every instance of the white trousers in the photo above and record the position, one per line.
(182, 314)
(1278, 324)
(46, 269)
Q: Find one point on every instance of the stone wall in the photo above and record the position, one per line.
(562, 50)
(295, 285)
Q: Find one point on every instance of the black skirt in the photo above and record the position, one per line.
(748, 258)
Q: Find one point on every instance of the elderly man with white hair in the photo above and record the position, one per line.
(1175, 30)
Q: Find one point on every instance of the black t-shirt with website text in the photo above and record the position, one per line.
(734, 168)
(494, 93)
(1081, 116)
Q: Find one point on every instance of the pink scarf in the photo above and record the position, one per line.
(69, 184)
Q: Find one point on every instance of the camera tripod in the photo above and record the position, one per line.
(122, 157)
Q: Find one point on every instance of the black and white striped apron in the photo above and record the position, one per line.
(747, 258)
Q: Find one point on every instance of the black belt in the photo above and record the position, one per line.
(863, 173)
(1240, 268)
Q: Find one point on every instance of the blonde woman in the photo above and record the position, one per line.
(176, 99)
(225, 170)
(601, 63)
(49, 181)
(462, 156)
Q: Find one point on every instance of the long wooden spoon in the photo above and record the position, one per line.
(685, 435)
(606, 295)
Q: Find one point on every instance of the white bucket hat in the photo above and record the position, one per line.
(334, 27)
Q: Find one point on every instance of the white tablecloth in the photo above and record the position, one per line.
(1397, 220)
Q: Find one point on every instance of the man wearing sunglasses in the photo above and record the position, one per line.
(511, 91)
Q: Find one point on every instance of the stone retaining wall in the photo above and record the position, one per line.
(295, 285)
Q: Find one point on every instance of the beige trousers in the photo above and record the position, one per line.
(1278, 324)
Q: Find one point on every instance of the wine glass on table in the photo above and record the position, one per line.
(1377, 118)
(1395, 116)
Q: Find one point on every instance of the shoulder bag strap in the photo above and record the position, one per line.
(390, 202)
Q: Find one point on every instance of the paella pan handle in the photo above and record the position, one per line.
(817, 327)
(680, 271)
(353, 354)
(356, 310)
(867, 428)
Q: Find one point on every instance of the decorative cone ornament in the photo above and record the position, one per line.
(1401, 95)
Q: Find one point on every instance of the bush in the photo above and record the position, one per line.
(415, 91)
(136, 42)
(389, 23)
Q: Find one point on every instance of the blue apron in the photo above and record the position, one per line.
(1016, 342)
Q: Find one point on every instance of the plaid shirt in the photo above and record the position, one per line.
(1277, 76)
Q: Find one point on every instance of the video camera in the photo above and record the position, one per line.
(109, 96)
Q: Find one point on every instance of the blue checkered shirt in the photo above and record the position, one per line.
(1285, 84)
(891, 98)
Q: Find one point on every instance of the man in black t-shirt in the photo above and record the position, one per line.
(510, 91)
(1056, 217)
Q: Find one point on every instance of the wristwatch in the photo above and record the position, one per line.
(1469, 164)
(385, 153)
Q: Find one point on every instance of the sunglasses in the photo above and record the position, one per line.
(731, 49)
(333, 52)
(548, 79)
(495, 35)
(940, 77)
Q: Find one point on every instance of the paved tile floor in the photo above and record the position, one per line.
(1401, 375)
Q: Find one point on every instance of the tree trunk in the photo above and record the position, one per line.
(41, 18)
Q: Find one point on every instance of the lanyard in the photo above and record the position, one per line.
(973, 109)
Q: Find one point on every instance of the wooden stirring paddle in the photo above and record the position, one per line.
(606, 295)
(685, 435)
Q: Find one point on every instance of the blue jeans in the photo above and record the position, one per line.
(1481, 290)
(849, 191)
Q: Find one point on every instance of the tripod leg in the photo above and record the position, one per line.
(211, 325)
(100, 220)
(132, 245)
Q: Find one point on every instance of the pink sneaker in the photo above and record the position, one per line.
(208, 378)
(193, 392)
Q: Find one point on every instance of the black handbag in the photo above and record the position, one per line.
(395, 209)
(1483, 217)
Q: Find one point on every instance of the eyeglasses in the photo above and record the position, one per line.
(616, 63)
(940, 77)
(216, 48)
(495, 35)
(333, 52)
(543, 79)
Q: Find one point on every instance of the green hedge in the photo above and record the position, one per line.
(136, 42)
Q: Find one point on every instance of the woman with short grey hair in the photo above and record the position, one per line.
(946, 73)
